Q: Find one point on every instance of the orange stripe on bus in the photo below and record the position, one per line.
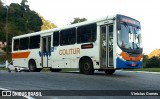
(129, 58)
(20, 55)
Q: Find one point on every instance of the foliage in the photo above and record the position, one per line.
(153, 62)
(21, 20)
(47, 24)
(145, 59)
(78, 20)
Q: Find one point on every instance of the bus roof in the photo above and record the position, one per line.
(65, 27)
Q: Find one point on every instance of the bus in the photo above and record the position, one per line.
(105, 44)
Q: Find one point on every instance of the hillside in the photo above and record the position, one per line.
(156, 52)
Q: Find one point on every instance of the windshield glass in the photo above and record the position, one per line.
(129, 37)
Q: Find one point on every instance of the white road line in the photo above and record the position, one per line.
(28, 97)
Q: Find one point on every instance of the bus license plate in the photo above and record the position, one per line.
(133, 64)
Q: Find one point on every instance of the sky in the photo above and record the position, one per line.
(62, 12)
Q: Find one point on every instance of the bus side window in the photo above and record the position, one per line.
(56, 38)
(68, 37)
(24, 43)
(86, 33)
(16, 44)
(34, 42)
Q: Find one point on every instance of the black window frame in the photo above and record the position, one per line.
(68, 36)
(56, 38)
(24, 43)
(15, 45)
(34, 43)
(87, 33)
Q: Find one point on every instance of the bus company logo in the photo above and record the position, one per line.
(69, 51)
(6, 93)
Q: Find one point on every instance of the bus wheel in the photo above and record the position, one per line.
(87, 66)
(109, 71)
(32, 66)
(55, 70)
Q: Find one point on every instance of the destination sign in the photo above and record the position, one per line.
(128, 20)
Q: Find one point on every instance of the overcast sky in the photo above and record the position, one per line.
(62, 12)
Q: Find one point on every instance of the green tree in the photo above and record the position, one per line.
(21, 20)
(78, 20)
(145, 59)
(1, 4)
(153, 62)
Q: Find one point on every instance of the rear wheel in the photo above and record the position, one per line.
(32, 66)
(87, 66)
(109, 71)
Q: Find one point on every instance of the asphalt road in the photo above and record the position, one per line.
(75, 81)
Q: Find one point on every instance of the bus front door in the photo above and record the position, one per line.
(107, 46)
(46, 51)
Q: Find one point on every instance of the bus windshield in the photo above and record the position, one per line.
(129, 38)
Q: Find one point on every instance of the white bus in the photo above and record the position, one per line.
(106, 44)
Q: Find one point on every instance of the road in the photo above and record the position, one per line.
(121, 80)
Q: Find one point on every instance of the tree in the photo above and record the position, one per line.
(1, 4)
(78, 20)
(153, 62)
(145, 59)
(47, 24)
(21, 20)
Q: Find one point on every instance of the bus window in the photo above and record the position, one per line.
(86, 33)
(16, 44)
(68, 37)
(24, 43)
(56, 38)
(34, 42)
(44, 48)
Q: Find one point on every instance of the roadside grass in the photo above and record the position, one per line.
(3, 68)
(146, 69)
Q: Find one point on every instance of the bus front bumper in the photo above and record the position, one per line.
(121, 64)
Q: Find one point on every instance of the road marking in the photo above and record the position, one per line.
(28, 97)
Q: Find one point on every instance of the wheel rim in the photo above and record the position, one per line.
(86, 66)
(31, 66)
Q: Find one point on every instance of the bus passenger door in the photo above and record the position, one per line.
(46, 51)
(107, 45)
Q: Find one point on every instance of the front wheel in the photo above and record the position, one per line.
(109, 71)
(87, 66)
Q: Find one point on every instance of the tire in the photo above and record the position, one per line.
(16, 70)
(109, 71)
(87, 66)
(80, 70)
(55, 70)
(32, 66)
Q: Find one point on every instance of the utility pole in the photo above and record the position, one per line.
(7, 37)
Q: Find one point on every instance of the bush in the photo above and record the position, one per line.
(153, 62)
(145, 59)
